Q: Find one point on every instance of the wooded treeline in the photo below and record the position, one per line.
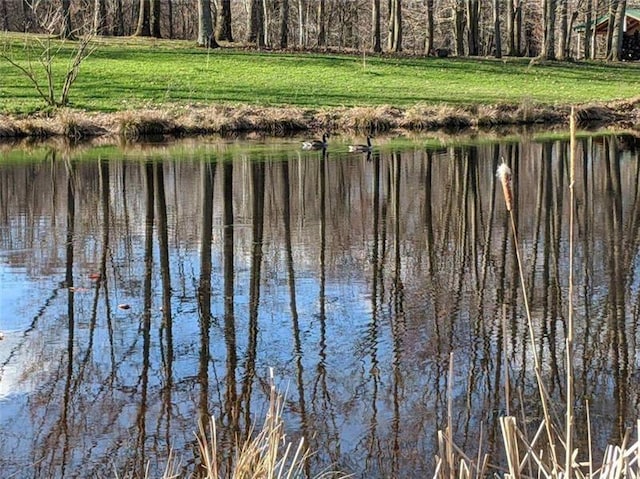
(531, 28)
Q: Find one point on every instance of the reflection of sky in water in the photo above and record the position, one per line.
(347, 309)
(15, 288)
(373, 367)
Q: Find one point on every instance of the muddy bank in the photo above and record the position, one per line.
(222, 119)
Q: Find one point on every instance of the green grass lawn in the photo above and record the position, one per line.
(130, 73)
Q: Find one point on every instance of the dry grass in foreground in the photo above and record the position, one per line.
(551, 453)
(542, 456)
(268, 454)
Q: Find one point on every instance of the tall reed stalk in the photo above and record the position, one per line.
(504, 175)
(569, 340)
(546, 462)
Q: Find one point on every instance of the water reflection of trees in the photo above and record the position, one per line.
(354, 279)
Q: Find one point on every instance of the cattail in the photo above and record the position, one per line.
(504, 175)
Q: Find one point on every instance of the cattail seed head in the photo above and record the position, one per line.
(504, 175)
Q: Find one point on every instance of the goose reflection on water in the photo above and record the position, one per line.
(362, 148)
(316, 144)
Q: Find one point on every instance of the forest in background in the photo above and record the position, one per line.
(544, 29)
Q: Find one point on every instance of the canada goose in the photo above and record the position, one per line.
(315, 144)
(362, 148)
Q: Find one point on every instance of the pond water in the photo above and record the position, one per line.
(144, 289)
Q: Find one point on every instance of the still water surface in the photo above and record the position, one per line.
(143, 290)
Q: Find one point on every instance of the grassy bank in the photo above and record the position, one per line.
(176, 78)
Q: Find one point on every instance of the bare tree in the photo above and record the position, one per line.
(468, 27)
(66, 30)
(284, 24)
(223, 25)
(143, 28)
(322, 31)
(613, 5)
(549, 42)
(563, 36)
(497, 34)
(100, 16)
(459, 27)
(41, 72)
(517, 27)
(169, 17)
(5, 15)
(301, 23)
(26, 14)
(205, 25)
(428, 45)
(394, 40)
(256, 23)
(118, 20)
(594, 44)
(375, 30)
(588, 27)
(156, 14)
(617, 32)
(266, 20)
(510, 17)
(572, 21)
(473, 27)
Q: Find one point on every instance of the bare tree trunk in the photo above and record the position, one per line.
(510, 17)
(66, 30)
(29, 19)
(549, 48)
(429, 47)
(572, 22)
(588, 19)
(322, 32)
(205, 25)
(594, 42)
(517, 28)
(266, 21)
(100, 17)
(389, 24)
(5, 16)
(375, 26)
(563, 40)
(473, 27)
(459, 27)
(223, 27)
(397, 41)
(170, 18)
(256, 23)
(301, 23)
(352, 26)
(615, 53)
(118, 20)
(496, 28)
(155, 19)
(144, 19)
(284, 24)
(613, 7)
(394, 41)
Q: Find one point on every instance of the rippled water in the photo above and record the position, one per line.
(144, 289)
